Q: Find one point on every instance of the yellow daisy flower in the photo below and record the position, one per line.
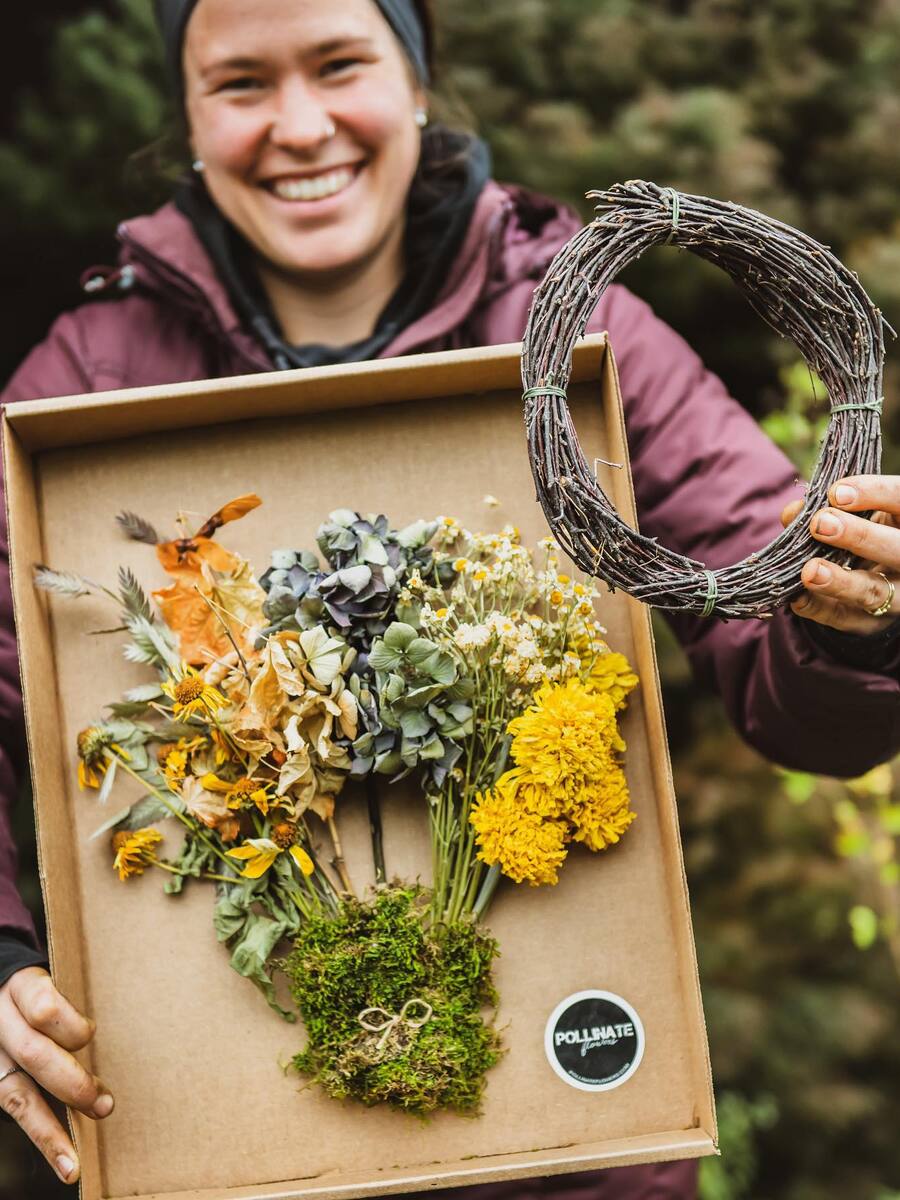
(192, 694)
(241, 794)
(260, 853)
(135, 851)
(93, 759)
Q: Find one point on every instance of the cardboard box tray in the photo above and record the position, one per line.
(190, 1050)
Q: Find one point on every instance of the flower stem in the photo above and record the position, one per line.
(214, 608)
(190, 875)
(486, 893)
(338, 862)
(195, 830)
(376, 829)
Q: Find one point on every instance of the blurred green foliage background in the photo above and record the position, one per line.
(789, 106)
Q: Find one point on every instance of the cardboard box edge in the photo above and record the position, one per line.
(662, 766)
(20, 487)
(668, 1146)
(107, 416)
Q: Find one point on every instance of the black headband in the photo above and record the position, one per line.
(401, 15)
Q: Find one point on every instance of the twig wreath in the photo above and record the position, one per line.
(799, 288)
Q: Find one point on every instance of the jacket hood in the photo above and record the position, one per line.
(513, 235)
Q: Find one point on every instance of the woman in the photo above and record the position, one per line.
(327, 221)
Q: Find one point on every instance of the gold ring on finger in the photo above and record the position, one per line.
(883, 609)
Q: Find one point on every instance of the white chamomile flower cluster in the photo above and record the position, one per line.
(471, 637)
(530, 625)
(449, 532)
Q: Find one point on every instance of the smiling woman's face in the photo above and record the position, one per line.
(265, 82)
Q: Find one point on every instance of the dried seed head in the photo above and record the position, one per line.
(91, 744)
(188, 689)
(284, 834)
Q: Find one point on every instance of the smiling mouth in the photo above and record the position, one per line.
(318, 188)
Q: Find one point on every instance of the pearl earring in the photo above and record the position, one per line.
(421, 118)
(198, 165)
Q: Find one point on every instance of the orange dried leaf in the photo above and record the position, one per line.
(232, 511)
(199, 631)
(184, 558)
(237, 508)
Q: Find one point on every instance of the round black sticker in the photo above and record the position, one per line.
(594, 1040)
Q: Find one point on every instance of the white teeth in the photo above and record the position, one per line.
(313, 189)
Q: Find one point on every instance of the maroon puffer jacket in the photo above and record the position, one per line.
(708, 484)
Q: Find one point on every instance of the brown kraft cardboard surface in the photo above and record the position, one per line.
(189, 1049)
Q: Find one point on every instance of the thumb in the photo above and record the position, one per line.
(790, 512)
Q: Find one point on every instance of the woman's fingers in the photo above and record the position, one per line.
(21, 1100)
(790, 512)
(47, 1010)
(49, 1064)
(860, 493)
(866, 539)
(833, 613)
(845, 599)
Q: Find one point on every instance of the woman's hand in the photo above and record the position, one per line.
(862, 600)
(39, 1029)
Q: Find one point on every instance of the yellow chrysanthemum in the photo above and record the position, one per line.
(601, 813)
(525, 845)
(536, 798)
(135, 851)
(243, 793)
(260, 853)
(192, 694)
(612, 673)
(563, 740)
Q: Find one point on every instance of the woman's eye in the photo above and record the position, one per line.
(243, 83)
(337, 65)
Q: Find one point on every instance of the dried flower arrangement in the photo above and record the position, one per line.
(426, 651)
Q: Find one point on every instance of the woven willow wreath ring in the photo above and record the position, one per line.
(799, 288)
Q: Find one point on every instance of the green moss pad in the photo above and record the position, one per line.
(383, 954)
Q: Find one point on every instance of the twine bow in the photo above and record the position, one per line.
(389, 1021)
